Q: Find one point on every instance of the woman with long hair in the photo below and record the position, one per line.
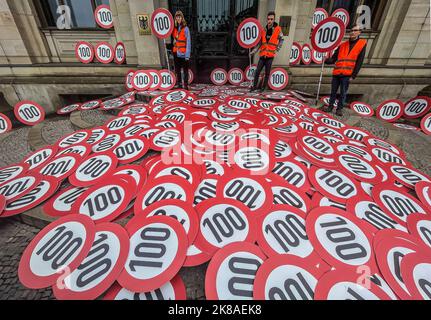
(182, 49)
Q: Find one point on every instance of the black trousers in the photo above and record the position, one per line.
(341, 82)
(263, 62)
(181, 64)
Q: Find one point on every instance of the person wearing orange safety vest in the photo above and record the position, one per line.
(270, 44)
(181, 49)
(348, 59)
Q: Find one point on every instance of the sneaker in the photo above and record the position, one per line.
(339, 112)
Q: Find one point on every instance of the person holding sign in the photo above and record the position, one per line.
(181, 48)
(271, 43)
(348, 59)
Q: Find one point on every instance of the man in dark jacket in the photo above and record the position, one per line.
(348, 59)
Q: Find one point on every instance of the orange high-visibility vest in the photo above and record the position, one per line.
(269, 49)
(347, 60)
(180, 43)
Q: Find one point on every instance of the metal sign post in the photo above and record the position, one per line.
(167, 56)
(321, 77)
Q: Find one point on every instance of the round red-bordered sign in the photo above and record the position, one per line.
(5, 123)
(61, 204)
(419, 225)
(104, 52)
(120, 53)
(62, 167)
(362, 109)
(423, 192)
(295, 54)
(417, 107)
(84, 52)
(94, 169)
(250, 72)
(390, 110)
(235, 76)
(219, 77)
(29, 113)
(306, 54)
(103, 17)
(235, 216)
(319, 15)
(328, 34)
(40, 156)
(39, 194)
(222, 275)
(162, 23)
(347, 285)
(128, 84)
(249, 33)
(143, 273)
(156, 81)
(343, 15)
(278, 79)
(416, 271)
(358, 168)
(20, 186)
(142, 80)
(350, 252)
(173, 290)
(168, 80)
(38, 268)
(107, 200)
(107, 255)
(279, 272)
(10, 172)
(426, 124)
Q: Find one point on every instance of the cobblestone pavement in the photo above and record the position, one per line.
(15, 236)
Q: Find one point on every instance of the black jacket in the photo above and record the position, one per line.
(359, 62)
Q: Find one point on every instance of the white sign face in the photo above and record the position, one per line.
(219, 77)
(103, 16)
(343, 15)
(235, 76)
(250, 71)
(306, 54)
(84, 52)
(29, 113)
(278, 79)
(328, 35)
(391, 110)
(249, 33)
(319, 15)
(142, 80)
(168, 80)
(162, 23)
(120, 53)
(104, 53)
(295, 54)
(417, 107)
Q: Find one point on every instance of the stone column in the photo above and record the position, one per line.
(147, 47)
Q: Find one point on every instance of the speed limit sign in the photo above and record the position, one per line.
(343, 15)
(319, 15)
(278, 79)
(142, 80)
(317, 57)
(306, 54)
(167, 79)
(103, 16)
(104, 52)
(128, 82)
(29, 113)
(219, 76)
(328, 35)
(84, 52)
(362, 109)
(235, 76)
(249, 33)
(295, 54)
(120, 53)
(191, 76)
(426, 124)
(390, 110)
(5, 124)
(417, 107)
(162, 23)
(156, 81)
(250, 72)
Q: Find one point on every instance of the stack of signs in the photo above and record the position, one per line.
(275, 195)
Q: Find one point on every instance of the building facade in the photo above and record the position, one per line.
(37, 60)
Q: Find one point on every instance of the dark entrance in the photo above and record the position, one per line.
(213, 24)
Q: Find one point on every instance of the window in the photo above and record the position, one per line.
(376, 6)
(81, 12)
